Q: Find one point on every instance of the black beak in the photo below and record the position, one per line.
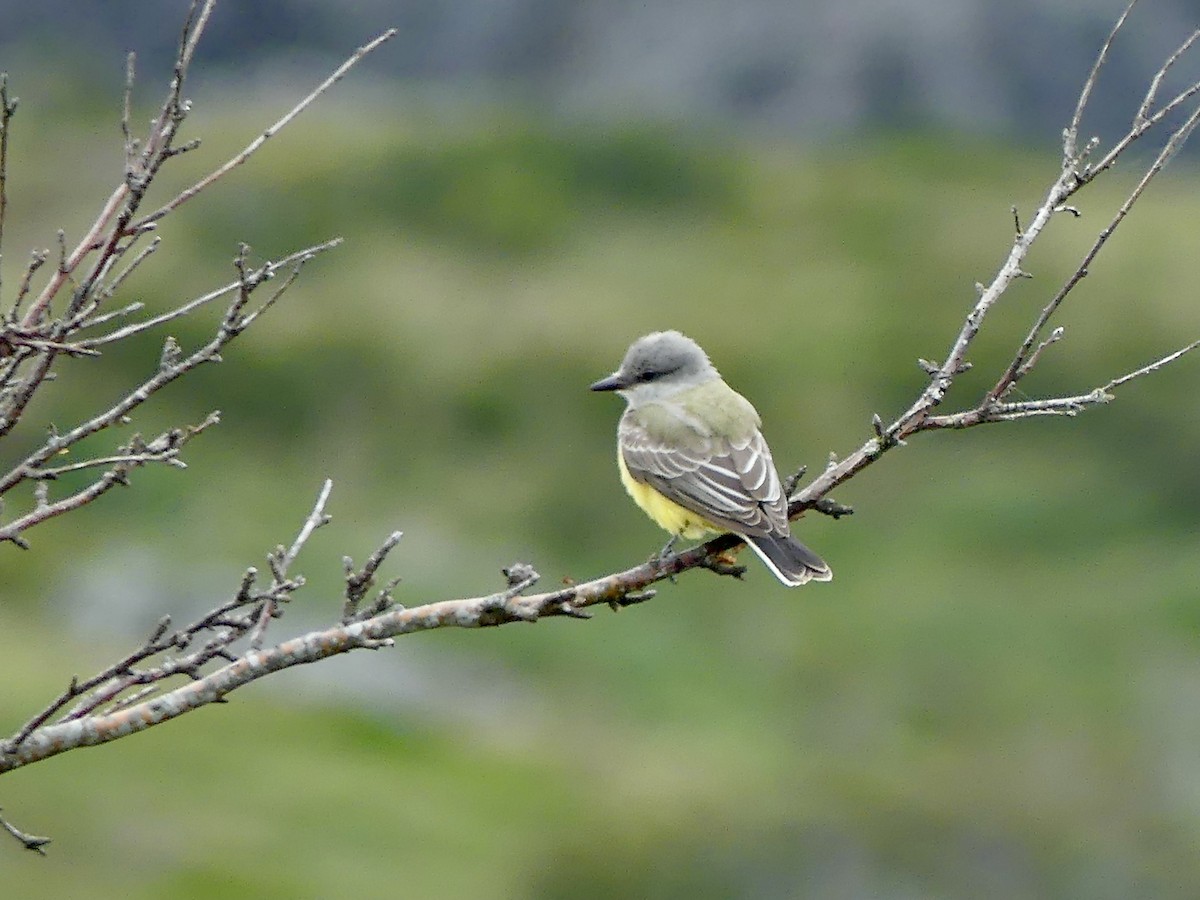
(613, 382)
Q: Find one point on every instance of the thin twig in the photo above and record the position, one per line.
(1140, 129)
(117, 475)
(358, 583)
(222, 625)
(173, 110)
(136, 306)
(72, 690)
(111, 225)
(1172, 146)
(15, 337)
(81, 319)
(1071, 134)
(168, 456)
(920, 415)
(90, 241)
(1156, 81)
(1027, 366)
(37, 259)
(315, 520)
(268, 269)
(1152, 367)
(255, 144)
(130, 699)
(127, 112)
(44, 511)
(281, 560)
(280, 289)
(8, 109)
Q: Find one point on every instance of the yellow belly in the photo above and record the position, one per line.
(667, 514)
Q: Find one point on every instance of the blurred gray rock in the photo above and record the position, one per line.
(804, 67)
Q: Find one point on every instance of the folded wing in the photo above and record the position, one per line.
(730, 482)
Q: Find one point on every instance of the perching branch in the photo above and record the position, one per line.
(219, 630)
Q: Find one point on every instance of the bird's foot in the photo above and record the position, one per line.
(660, 558)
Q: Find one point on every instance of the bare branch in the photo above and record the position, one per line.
(1018, 367)
(166, 456)
(920, 415)
(1052, 406)
(281, 560)
(268, 270)
(37, 259)
(164, 376)
(171, 367)
(1152, 367)
(1143, 121)
(174, 109)
(29, 348)
(127, 110)
(249, 318)
(358, 583)
(255, 144)
(208, 638)
(504, 607)
(1156, 82)
(1027, 366)
(45, 511)
(15, 336)
(8, 109)
(315, 520)
(1071, 155)
(91, 241)
(136, 306)
(163, 449)
(105, 234)
(81, 320)
(72, 690)
(113, 232)
(955, 360)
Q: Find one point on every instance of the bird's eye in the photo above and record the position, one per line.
(648, 375)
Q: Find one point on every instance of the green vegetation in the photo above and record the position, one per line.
(994, 698)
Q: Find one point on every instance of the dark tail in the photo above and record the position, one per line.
(790, 560)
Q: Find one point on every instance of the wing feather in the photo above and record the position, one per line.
(732, 483)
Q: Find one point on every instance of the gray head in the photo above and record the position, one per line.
(666, 359)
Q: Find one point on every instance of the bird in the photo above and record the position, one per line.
(691, 454)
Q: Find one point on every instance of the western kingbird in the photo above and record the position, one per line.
(692, 457)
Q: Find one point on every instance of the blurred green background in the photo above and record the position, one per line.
(996, 696)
